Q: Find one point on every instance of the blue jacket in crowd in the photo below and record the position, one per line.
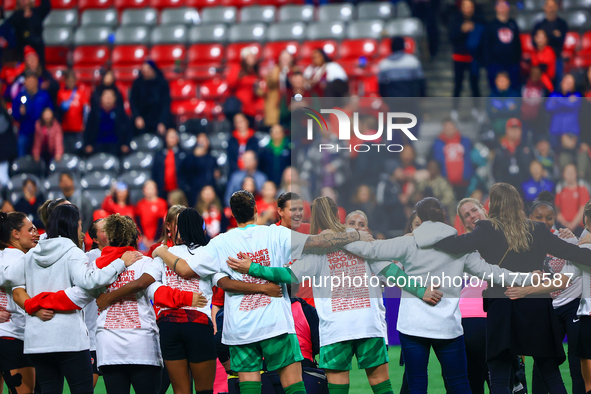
(565, 112)
(34, 105)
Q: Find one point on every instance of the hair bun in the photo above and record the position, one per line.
(546, 196)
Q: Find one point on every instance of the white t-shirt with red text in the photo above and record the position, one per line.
(163, 274)
(250, 318)
(127, 333)
(15, 327)
(91, 309)
(352, 308)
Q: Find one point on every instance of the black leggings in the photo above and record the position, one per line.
(145, 379)
(569, 325)
(475, 342)
(501, 374)
(51, 368)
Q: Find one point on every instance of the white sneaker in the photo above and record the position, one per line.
(454, 115)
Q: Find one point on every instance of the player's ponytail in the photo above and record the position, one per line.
(191, 229)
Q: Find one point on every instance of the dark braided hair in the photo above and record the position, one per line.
(191, 228)
(8, 222)
(121, 231)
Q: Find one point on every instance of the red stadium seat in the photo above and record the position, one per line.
(354, 49)
(203, 72)
(192, 108)
(161, 4)
(204, 3)
(56, 55)
(9, 5)
(527, 47)
(85, 4)
(239, 3)
(233, 50)
(329, 46)
(571, 44)
(89, 56)
(384, 47)
(199, 54)
(170, 58)
(586, 44)
(214, 89)
(57, 71)
(124, 4)
(273, 49)
(63, 4)
(129, 55)
(88, 74)
(182, 89)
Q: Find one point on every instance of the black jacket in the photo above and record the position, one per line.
(95, 99)
(234, 148)
(150, 99)
(510, 323)
(22, 205)
(549, 27)
(313, 322)
(512, 168)
(197, 173)
(8, 145)
(158, 172)
(458, 38)
(29, 31)
(93, 124)
(501, 43)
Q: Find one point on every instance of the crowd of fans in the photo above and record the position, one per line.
(532, 136)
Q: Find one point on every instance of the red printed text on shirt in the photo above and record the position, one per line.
(124, 314)
(349, 295)
(254, 301)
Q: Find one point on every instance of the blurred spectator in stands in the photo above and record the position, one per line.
(267, 204)
(241, 140)
(27, 108)
(409, 167)
(276, 156)
(149, 100)
(564, 105)
(199, 169)
(401, 74)
(290, 182)
(332, 194)
(555, 29)
(27, 21)
(119, 201)
(75, 196)
(288, 105)
(465, 33)
(322, 72)
(49, 138)
(453, 153)
(536, 183)
(72, 104)
(545, 155)
(427, 11)
(324, 168)
(107, 82)
(502, 46)
(369, 166)
(364, 200)
(30, 201)
(244, 84)
(571, 197)
(512, 159)
(533, 93)
(277, 83)
(572, 153)
(150, 212)
(166, 167)
(12, 68)
(177, 197)
(209, 207)
(390, 203)
(46, 80)
(107, 127)
(6, 207)
(503, 103)
(435, 185)
(544, 58)
(8, 143)
(587, 85)
(249, 169)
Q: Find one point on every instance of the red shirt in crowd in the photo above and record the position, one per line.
(570, 199)
(170, 180)
(150, 214)
(547, 60)
(73, 119)
(244, 88)
(111, 207)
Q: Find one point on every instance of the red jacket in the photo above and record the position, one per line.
(72, 104)
(244, 88)
(49, 139)
(546, 59)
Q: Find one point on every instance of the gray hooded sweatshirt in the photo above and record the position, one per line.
(56, 264)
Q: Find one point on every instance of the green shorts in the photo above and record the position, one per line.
(278, 352)
(370, 352)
